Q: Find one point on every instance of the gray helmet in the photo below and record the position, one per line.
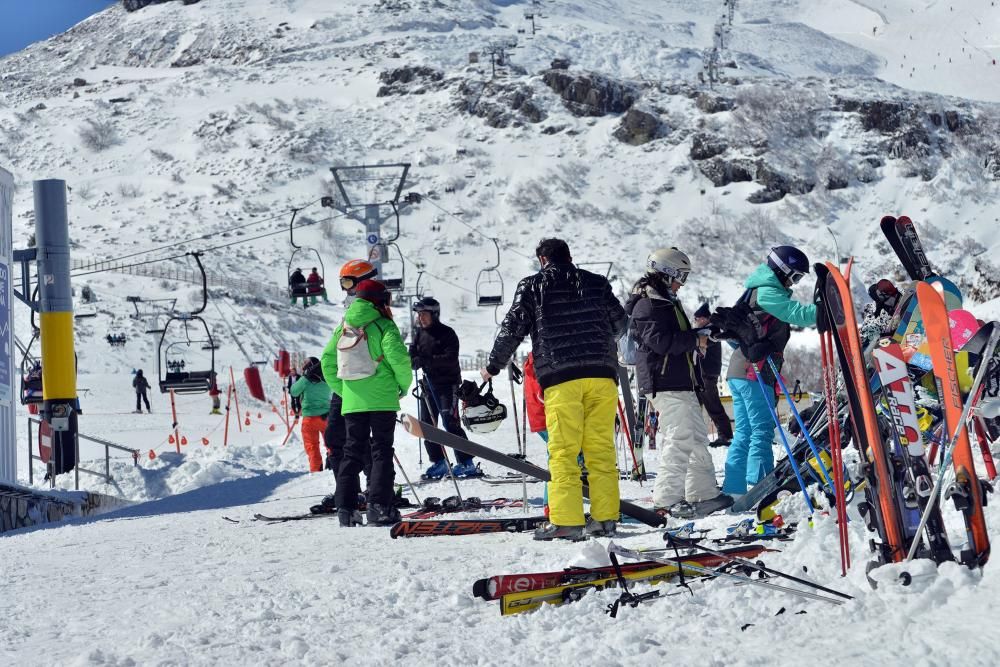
(671, 262)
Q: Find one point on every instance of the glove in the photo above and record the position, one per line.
(329, 462)
(516, 374)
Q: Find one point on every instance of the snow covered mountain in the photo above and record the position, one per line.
(620, 125)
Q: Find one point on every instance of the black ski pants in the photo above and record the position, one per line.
(713, 406)
(335, 438)
(140, 397)
(372, 433)
(441, 400)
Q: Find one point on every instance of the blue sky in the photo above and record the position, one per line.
(25, 21)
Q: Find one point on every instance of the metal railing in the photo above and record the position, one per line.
(77, 469)
(244, 285)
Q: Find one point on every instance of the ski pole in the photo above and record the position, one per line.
(522, 443)
(836, 455)
(784, 440)
(628, 440)
(984, 447)
(949, 446)
(413, 489)
(798, 418)
(431, 414)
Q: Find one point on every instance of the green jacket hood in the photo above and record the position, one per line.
(361, 313)
(763, 276)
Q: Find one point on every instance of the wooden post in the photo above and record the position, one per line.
(229, 397)
(173, 409)
(232, 380)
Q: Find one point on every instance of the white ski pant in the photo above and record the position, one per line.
(686, 470)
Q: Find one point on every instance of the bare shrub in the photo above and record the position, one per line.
(99, 135)
(130, 190)
(162, 156)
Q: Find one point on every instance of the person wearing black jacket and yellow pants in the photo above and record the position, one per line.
(574, 321)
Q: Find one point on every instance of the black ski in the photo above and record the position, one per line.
(291, 517)
(420, 429)
(902, 236)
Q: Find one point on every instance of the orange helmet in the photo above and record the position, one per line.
(354, 271)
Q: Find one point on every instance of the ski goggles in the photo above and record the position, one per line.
(796, 276)
(679, 275)
(348, 282)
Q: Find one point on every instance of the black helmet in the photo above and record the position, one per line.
(428, 304)
(789, 263)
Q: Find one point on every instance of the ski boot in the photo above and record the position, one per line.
(350, 518)
(595, 528)
(467, 469)
(437, 470)
(326, 506)
(380, 515)
(712, 505)
(550, 531)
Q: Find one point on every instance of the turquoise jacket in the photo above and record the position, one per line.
(776, 299)
(380, 392)
(315, 397)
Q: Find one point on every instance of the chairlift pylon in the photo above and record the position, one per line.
(489, 284)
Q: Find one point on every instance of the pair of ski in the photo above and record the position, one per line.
(435, 506)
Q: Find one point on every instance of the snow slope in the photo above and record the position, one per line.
(228, 114)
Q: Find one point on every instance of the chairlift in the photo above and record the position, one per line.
(31, 374)
(174, 352)
(392, 279)
(303, 256)
(489, 284)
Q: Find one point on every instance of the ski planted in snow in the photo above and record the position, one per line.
(881, 507)
(967, 490)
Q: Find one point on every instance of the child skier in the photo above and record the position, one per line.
(312, 390)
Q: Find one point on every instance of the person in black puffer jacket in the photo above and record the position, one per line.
(574, 321)
(667, 374)
(435, 350)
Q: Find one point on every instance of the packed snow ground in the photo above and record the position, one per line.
(249, 132)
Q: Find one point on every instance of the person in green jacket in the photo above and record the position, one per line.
(769, 297)
(314, 395)
(370, 403)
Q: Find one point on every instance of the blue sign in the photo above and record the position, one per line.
(372, 239)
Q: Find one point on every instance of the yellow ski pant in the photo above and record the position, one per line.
(580, 417)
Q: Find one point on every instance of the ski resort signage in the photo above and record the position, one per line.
(8, 415)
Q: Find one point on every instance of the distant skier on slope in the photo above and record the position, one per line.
(770, 305)
(141, 386)
(434, 350)
(574, 321)
(667, 374)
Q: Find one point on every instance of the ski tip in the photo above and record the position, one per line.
(888, 220)
(412, 425)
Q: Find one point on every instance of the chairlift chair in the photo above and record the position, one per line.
(31, 374)
(393, 282)
(489, 284)
(172, 367)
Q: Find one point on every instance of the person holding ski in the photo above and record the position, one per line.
(335, 435)
(765, 314)
(666, 372)
(434, 350)
(574, 321)
(314, 395)
(141, 386)
(711, 368)
(368, 366)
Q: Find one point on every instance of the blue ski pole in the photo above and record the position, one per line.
(784, 441)
(802, 425)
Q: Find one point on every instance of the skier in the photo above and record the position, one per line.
(140, 384)
(335, 435)
(367, 365)
(711, 369)
(215, 394)
(877, 315)
(435, 351)
(297, 287)
(534, 401)
(768, 300)
(314, 286)
(667, 374)
(574, 320)
(295, 402)
(313, 394)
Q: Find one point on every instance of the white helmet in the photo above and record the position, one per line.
(670, 262)
(481, 413)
